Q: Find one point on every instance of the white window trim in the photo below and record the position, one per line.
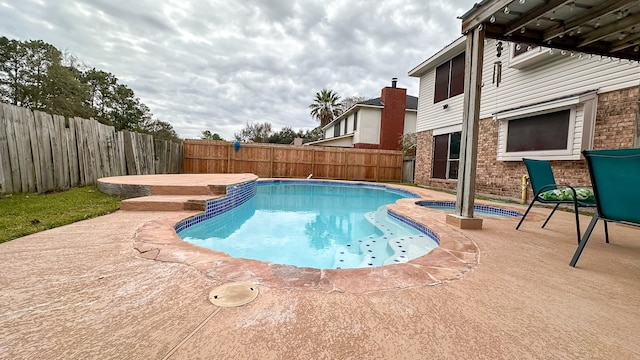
(586, 104)
(447, 130)
(529, 58)
(449, 159)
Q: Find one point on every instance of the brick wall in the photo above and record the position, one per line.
(424, 164)
(615, 128)
(392, 117)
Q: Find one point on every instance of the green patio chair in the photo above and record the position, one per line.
(615, 176)
(546, 191)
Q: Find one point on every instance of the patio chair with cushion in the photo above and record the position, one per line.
(615, 176)
(546, 191)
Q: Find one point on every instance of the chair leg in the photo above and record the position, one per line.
(549, 217)
(577, 222)
(525, 214)
(584, 240)
(606, 231)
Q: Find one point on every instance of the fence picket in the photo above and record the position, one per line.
(72, 152)
(6, 180)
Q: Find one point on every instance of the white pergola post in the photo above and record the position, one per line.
(474, 55)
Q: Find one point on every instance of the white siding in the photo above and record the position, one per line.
(346, 141)
(368, 126)
(555, 77)
(410, 118)
(349, 122)
(433, 116)
(329, 132)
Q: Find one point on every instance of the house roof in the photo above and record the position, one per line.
(412, 104)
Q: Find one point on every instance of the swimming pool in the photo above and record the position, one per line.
(317, 224)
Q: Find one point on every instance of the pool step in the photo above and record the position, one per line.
(346, 258)
(396, 244)
(405, 245)
(167, 203)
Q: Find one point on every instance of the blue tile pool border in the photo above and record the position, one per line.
(451, 205)
(405, 193)
(422, 228)
(236, 195)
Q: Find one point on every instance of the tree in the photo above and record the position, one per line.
(161, 130)
(409, 143)
(325, 106)
(127, 112)
(348, 102)
(101, 86)
(284, 136)
(207, 135)
(313, 134)
(63, 94)
(254, 132)
(37, 75)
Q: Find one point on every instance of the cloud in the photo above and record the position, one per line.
(216, 65)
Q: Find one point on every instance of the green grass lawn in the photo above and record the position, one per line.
(27, 213)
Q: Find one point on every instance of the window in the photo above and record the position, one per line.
(524, 56)
(557, 129)
(346, 122)
(539, 132)
(449, 79)
(336, 129)
(446, 156)
(355, 121)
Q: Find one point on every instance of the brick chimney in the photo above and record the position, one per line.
(392, 119)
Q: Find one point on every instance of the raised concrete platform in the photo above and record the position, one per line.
(167, 203)
(170, 192)
(171, 184)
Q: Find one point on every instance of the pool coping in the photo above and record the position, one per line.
(456, 255)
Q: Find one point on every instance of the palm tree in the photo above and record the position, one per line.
(325, 106)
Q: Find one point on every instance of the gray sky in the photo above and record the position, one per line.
(216, 65)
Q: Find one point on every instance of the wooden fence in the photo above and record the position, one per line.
(40, 152)
(274, 161)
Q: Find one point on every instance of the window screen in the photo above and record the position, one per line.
(541, 132)
(449, 79)
(442, 82)
(440, 152)
(457, 76)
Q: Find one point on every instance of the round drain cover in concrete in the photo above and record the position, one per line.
(233, 294)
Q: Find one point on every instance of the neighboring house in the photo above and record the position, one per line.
(374, 124)
(549, 104)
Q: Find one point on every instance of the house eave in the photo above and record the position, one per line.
(350, 135)
(448, 52)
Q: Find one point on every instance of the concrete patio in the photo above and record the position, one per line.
(83, 291)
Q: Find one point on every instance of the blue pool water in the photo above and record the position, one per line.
(314, 224)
